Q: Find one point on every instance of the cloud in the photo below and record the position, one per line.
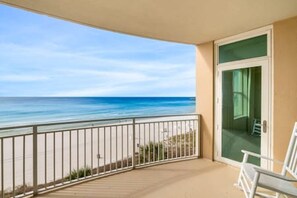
(123, 76)
(22, 78)
(72, 60)
(92, 91)
(75, 73)
(75, 58)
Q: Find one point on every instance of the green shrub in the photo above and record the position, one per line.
(177, 146)
(148, 151)
(82, 172)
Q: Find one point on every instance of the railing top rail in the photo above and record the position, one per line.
(95, 120)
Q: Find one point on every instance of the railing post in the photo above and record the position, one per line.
(35, 172)
(198, 137)
(133, 145)
(2, 168)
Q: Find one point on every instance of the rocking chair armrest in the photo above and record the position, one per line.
(261, 156)
(272, 174)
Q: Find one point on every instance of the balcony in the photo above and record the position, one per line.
(41, 158)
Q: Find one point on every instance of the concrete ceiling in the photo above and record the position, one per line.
(184, 21)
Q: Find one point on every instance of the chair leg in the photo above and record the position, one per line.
(237, 184)
(245, 158)
(254, 185)
(241, 184)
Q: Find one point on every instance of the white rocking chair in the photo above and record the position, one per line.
(256, 127)
(252, 176)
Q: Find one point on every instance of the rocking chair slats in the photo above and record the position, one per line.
(251, 176)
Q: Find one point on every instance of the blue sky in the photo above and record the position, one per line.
(43, 56)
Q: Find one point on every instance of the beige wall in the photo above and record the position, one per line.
(205, 96)
(285, 83)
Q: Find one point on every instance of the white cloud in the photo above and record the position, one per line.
(22, 78)
(99, 90)
(64, 71)
(78, 58)
(122, 76)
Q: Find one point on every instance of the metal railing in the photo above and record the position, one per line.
(45, 156)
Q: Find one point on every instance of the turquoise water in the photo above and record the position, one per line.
(29, 110)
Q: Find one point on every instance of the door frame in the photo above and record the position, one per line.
(267, 61)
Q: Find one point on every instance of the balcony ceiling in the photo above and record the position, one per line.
(187, 21)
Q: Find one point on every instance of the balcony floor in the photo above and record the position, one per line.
(193, 178)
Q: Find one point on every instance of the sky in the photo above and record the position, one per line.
(43, 56)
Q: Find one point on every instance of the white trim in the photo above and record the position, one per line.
(243, 62)
(269, 62)
(271, 96)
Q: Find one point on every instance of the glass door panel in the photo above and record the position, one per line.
(241, 113)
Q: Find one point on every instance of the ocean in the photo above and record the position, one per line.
(31, 110)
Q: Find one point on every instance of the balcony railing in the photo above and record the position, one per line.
(46, 156)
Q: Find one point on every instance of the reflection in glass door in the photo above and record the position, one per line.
(241, 113)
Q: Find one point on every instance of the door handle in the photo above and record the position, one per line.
(264, 126)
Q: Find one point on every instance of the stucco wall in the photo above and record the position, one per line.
(205, 96)
(285, 83)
